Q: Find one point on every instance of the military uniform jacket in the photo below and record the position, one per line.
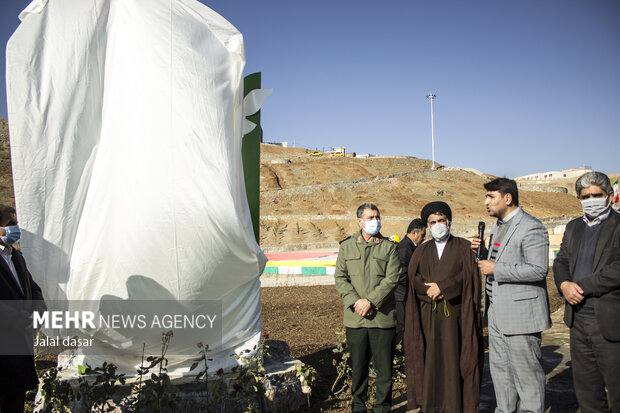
(368, 270)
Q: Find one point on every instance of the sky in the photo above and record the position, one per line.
(522, 86)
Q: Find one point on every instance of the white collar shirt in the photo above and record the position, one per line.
(441, 245)
(596, 221)
(509, 216)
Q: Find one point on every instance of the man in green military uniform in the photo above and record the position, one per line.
(367, 270)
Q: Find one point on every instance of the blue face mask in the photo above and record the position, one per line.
(13, 234)
(372, 227)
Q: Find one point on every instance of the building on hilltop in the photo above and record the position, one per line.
(543, 177)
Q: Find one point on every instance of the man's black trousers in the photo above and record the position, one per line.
(596, 365)
(400, 322)
(376, 344)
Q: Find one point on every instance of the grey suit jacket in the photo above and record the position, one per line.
(520, 300)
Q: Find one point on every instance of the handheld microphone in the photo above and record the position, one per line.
(481, 226)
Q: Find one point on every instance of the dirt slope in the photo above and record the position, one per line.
(312, 200)
(6, 179)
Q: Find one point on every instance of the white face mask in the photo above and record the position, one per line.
(593, 207)
(440, 231)
(372, 227)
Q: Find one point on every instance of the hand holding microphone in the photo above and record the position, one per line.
(478, 245)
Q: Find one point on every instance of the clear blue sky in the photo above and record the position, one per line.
(522, 86)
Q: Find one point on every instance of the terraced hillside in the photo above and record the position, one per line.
(310, 202)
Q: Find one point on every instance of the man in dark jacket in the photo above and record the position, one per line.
(19, 297)
(587, 273)
(416, 232)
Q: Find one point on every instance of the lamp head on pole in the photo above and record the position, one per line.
(431, 96)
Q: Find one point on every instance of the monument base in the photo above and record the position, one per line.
(283, 390)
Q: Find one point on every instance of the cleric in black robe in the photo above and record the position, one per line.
(443, 334)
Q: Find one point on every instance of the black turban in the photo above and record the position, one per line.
(436, 207)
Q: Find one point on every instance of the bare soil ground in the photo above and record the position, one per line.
(307, 318)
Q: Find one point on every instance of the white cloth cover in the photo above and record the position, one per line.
(126, 120)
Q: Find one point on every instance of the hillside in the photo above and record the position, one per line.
(6, 179)
(310, 202)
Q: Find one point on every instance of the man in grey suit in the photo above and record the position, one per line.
(516, 300)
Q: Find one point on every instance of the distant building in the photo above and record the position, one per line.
(282, 144)
(542, 177)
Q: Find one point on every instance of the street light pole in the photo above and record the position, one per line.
(431, 96)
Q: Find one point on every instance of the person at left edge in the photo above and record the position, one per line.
(416, 232)
(367, 270)
(20, 296)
